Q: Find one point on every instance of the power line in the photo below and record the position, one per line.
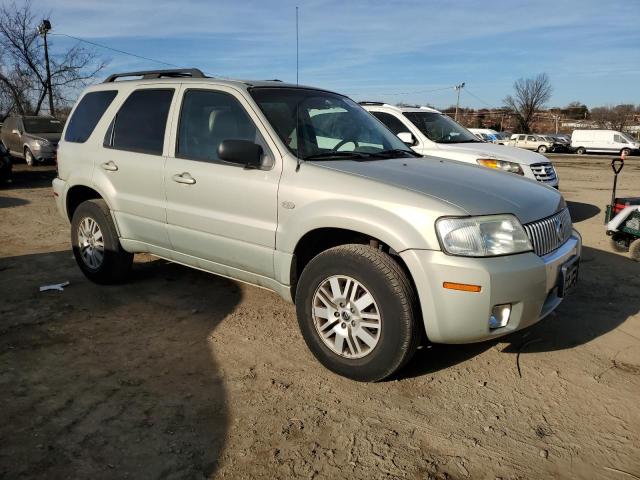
(407, 93)
(478, 98)
(115, 50)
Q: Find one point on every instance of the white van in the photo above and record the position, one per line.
(607, 141)
(432, 133)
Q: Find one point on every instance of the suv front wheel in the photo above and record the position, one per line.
(356, 310)
(96, 246)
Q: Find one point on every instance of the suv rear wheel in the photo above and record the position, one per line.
(96, 246)
(356, 310)
(542, 149)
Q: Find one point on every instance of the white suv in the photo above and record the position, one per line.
(432, 133)
(301, 191)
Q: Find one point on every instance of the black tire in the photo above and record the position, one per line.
(634, 250)
(618, 243)
(625, 151)
(116, 263)
(581, 151)
(393, 293)
(542, 149)
(29, 158)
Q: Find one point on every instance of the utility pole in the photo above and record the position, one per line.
(43, 29)
(458, 88)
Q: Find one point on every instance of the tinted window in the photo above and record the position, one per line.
(206, 119)
(521, 137)
(440, 128)
(87, 115)
(42, 125)
(391, 122)
(140, 124)
(531, 138)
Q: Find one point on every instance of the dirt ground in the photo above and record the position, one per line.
(180, 374)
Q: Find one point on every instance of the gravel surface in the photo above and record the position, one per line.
(181, 374)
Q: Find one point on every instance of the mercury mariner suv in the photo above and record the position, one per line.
(301, 191)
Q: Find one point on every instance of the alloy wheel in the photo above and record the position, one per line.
(91, 243)
(346, 317)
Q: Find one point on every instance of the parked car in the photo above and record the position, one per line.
(489, 135)
(561, 144)
(5, 165)
(429, 132)
(603, 141)
(35, 139)
(531, 142)
(301, 191)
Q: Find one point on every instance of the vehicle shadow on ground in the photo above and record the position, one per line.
(110, 381)
(7, 202)
(587, 314)
(582, 211)
(24, 176)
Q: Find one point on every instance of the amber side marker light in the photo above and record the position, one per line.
(462, 286)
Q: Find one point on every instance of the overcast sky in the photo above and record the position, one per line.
(389, 50)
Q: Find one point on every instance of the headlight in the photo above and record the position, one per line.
(485, 236)
(510, 167)
(41, 143)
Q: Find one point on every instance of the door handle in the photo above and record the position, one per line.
(184, 177)
(110, 166)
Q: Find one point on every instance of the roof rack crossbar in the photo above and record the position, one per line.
(366, 102)
(150, 74)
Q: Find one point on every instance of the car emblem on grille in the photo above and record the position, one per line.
(559, 229)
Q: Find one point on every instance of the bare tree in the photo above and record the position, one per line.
(615, 118)
(531, 94)
(22, 67)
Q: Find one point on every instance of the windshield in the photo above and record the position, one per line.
(440, 128)
(315, 124)
(628, 138)
(42, 125)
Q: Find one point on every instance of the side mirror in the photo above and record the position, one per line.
(15, 131)
(241, 152)
(406, 138)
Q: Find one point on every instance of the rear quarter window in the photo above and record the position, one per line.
(87, 115)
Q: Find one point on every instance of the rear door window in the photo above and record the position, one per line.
(140, 124)
(87, 115)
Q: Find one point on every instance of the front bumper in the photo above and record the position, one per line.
(46, 152)
(528, 282)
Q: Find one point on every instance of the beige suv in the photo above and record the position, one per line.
(531, 142)
(301, 191)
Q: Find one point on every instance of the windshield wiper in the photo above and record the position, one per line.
(336, 155)
(394, 152)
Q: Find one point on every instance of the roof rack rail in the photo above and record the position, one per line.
(371, 103)
(150, 74)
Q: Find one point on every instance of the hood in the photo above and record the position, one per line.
(492, 150)
(474, 189)
(52, 137)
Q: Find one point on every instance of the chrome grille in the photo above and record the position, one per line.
(550, 233)
(544, 172)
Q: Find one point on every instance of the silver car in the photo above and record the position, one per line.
(33, 138)
(301, 191)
